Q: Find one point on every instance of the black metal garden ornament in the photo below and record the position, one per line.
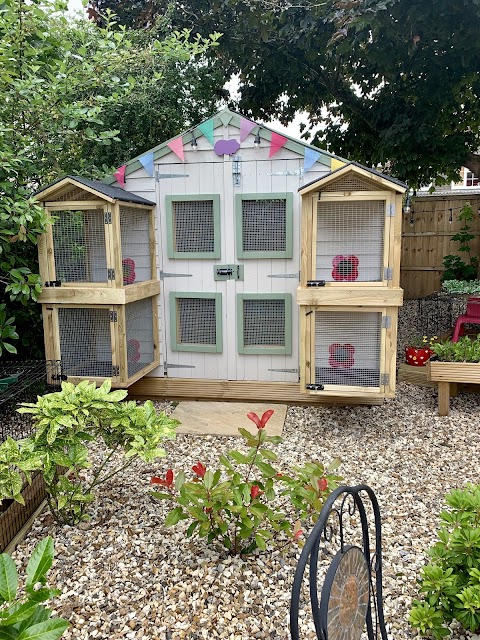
(351, 597)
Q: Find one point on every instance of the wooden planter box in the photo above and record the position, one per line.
(448, 375)
(14, 515)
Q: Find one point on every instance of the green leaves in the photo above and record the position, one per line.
(8, 578)
(40, 562)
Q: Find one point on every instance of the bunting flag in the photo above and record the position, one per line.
(207, 129)
(147, 163)
(276, 143)
(120, 175)
(311, 156)
(245, 127)
(177, 147)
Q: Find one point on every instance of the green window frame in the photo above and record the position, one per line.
(205, 348)
(259, 255)
(193, 255)
(286, 349)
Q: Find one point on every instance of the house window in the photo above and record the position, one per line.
(264, 225)
(471, 180)
(264, 323)
(193, 226)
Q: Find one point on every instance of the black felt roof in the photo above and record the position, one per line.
(110, 191)
(360, 166)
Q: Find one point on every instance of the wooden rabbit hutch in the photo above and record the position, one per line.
(234, 225)
(349, 290)
(98, 268)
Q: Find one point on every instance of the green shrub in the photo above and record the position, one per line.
(465, 350)
(23, 617)
(246, 503)
(450, 582)
(461, 286)
(455, 267)
(66, 421)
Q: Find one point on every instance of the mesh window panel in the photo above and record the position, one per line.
(135, 233)
(352, 182)
(79, 246)
(74, 194)
(85, 342)
(193, 226)
(196, 321)
(264, 225)
(350, 240)
(347, 348)
(263, 323)
(139, 321)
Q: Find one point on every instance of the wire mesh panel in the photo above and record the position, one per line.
(196, 321)
(347, 348)
(85, 341)
(263, 323)
(194, 226)
(79, 246)
(139, 329)
(350, 241)
(136, 248)
(351, 182)
(75, 193)
(264, 225)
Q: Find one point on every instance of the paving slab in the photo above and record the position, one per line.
(225, 418)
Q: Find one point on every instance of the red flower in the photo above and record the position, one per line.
(200, 469)
(165, 482)
(341, 355)
(260, 422)
(345, 268)
(254, 491)
(322, 484)
(297, 535)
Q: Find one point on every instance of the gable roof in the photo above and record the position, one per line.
(225, 117)
(373, 174)
(110, 192)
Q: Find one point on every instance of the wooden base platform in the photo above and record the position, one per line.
(414, 375)
(250, 391)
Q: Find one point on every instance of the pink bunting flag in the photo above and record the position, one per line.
(120, 175)
(276, 143)
(177, 147)
(245, 127)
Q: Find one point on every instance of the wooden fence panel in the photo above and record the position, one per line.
(426, 239)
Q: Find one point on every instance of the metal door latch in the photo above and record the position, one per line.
(315, 387)
(315, 283)
(228, 272)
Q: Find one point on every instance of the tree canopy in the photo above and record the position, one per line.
(390, 82)
(60, 82)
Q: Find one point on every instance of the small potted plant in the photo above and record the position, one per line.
(419, 350)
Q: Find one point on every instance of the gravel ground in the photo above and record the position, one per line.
(129, 577)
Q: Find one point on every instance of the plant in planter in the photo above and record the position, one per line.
(461, 286)
(247, 504)
(455, 267)
(450, 582)
(419, 350)
(24, 617)
(465, 350)
(67, 420)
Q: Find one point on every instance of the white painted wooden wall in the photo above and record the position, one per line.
(207, 173)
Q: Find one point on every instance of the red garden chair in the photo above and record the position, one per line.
(471, 317)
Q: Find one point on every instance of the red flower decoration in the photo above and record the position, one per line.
(322, 484)
(260, 422)
(200, 469)
(133, 350)
(341, 355)
(129, 275)
(255, 491)
(165, 482)
(345, 268)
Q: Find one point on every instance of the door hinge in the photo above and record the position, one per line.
(174, 275)
(115, 370)
(388, 273)
(162, 176)
(113, 316)
(108, 217)
(385, 378)
(285, 370)
(53, 283)
(168, 365)
(391, 210)
(285, 275)
(386, 322)
(315, 387)
(110, 274)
